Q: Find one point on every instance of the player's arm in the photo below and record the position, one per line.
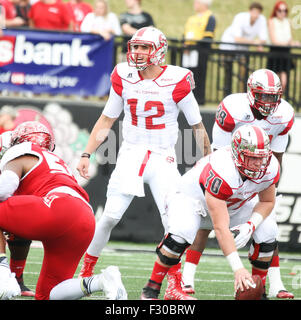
(191, 111)
(99, 133)
(101, 129)
(266, 202)
(221, 221)
(261, 210)
(10, 179)
(201, 138)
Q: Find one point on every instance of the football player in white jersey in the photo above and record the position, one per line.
(151, 96)
(261, 106)
(219, 193)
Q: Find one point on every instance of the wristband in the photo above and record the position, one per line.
(234, 261)
(85, 155)
(256, 219)
(3, 260)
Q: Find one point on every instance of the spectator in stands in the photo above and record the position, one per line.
(10, 14)
(7, 118)
(200, 26)
(246, 28)
(22, 9)
(133, 19)
(78, 10)
(101, 21)
(50, 14)
(280, 35)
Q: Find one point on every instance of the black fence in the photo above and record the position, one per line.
(219, 73)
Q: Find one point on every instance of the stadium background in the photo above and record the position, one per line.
(73, 118)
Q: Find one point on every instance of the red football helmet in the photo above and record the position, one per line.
(157, 43)
(35, 132)
(251, 141)
(264, 91)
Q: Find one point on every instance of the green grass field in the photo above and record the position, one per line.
(214, 278)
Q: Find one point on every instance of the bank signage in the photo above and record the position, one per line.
(55, 63)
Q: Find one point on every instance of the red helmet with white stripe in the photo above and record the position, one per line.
(35, 132)
(264, 91)
(152, 38)
(251, 142)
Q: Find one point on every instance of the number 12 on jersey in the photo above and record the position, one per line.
(149, 105)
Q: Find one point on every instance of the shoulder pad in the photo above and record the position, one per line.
(172, 75)
(125, 72)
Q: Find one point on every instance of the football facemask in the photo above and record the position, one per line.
(264, 91)
(154, 40)
(250, 144)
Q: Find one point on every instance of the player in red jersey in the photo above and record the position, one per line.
(219, 193)
(41, 200)
(18, 247)
(261, 106)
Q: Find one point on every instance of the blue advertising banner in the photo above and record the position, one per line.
(53, 62)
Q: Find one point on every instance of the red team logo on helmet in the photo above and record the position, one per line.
(35, 132)
(264, 91)
(251, 142)
(155, 40)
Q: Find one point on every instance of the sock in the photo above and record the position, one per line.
(261, 273)
(174, 269)
(17, 266)
(190, 266)
(90, 259)
(193, 256)
(275, 261)
(74, 289)
(159, 272)
(275, 281)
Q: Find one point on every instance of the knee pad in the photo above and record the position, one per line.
(173, 246)
(262, 250)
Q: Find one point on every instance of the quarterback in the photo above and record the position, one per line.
(219, 193)
(151, 96)
(261, 106)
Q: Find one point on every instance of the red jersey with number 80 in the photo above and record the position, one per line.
(50, 172)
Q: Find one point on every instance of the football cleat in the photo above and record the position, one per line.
(284, 294)
(25, 292)
(188, 289)
(149, 294)
(174, 289)
(111, 284)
